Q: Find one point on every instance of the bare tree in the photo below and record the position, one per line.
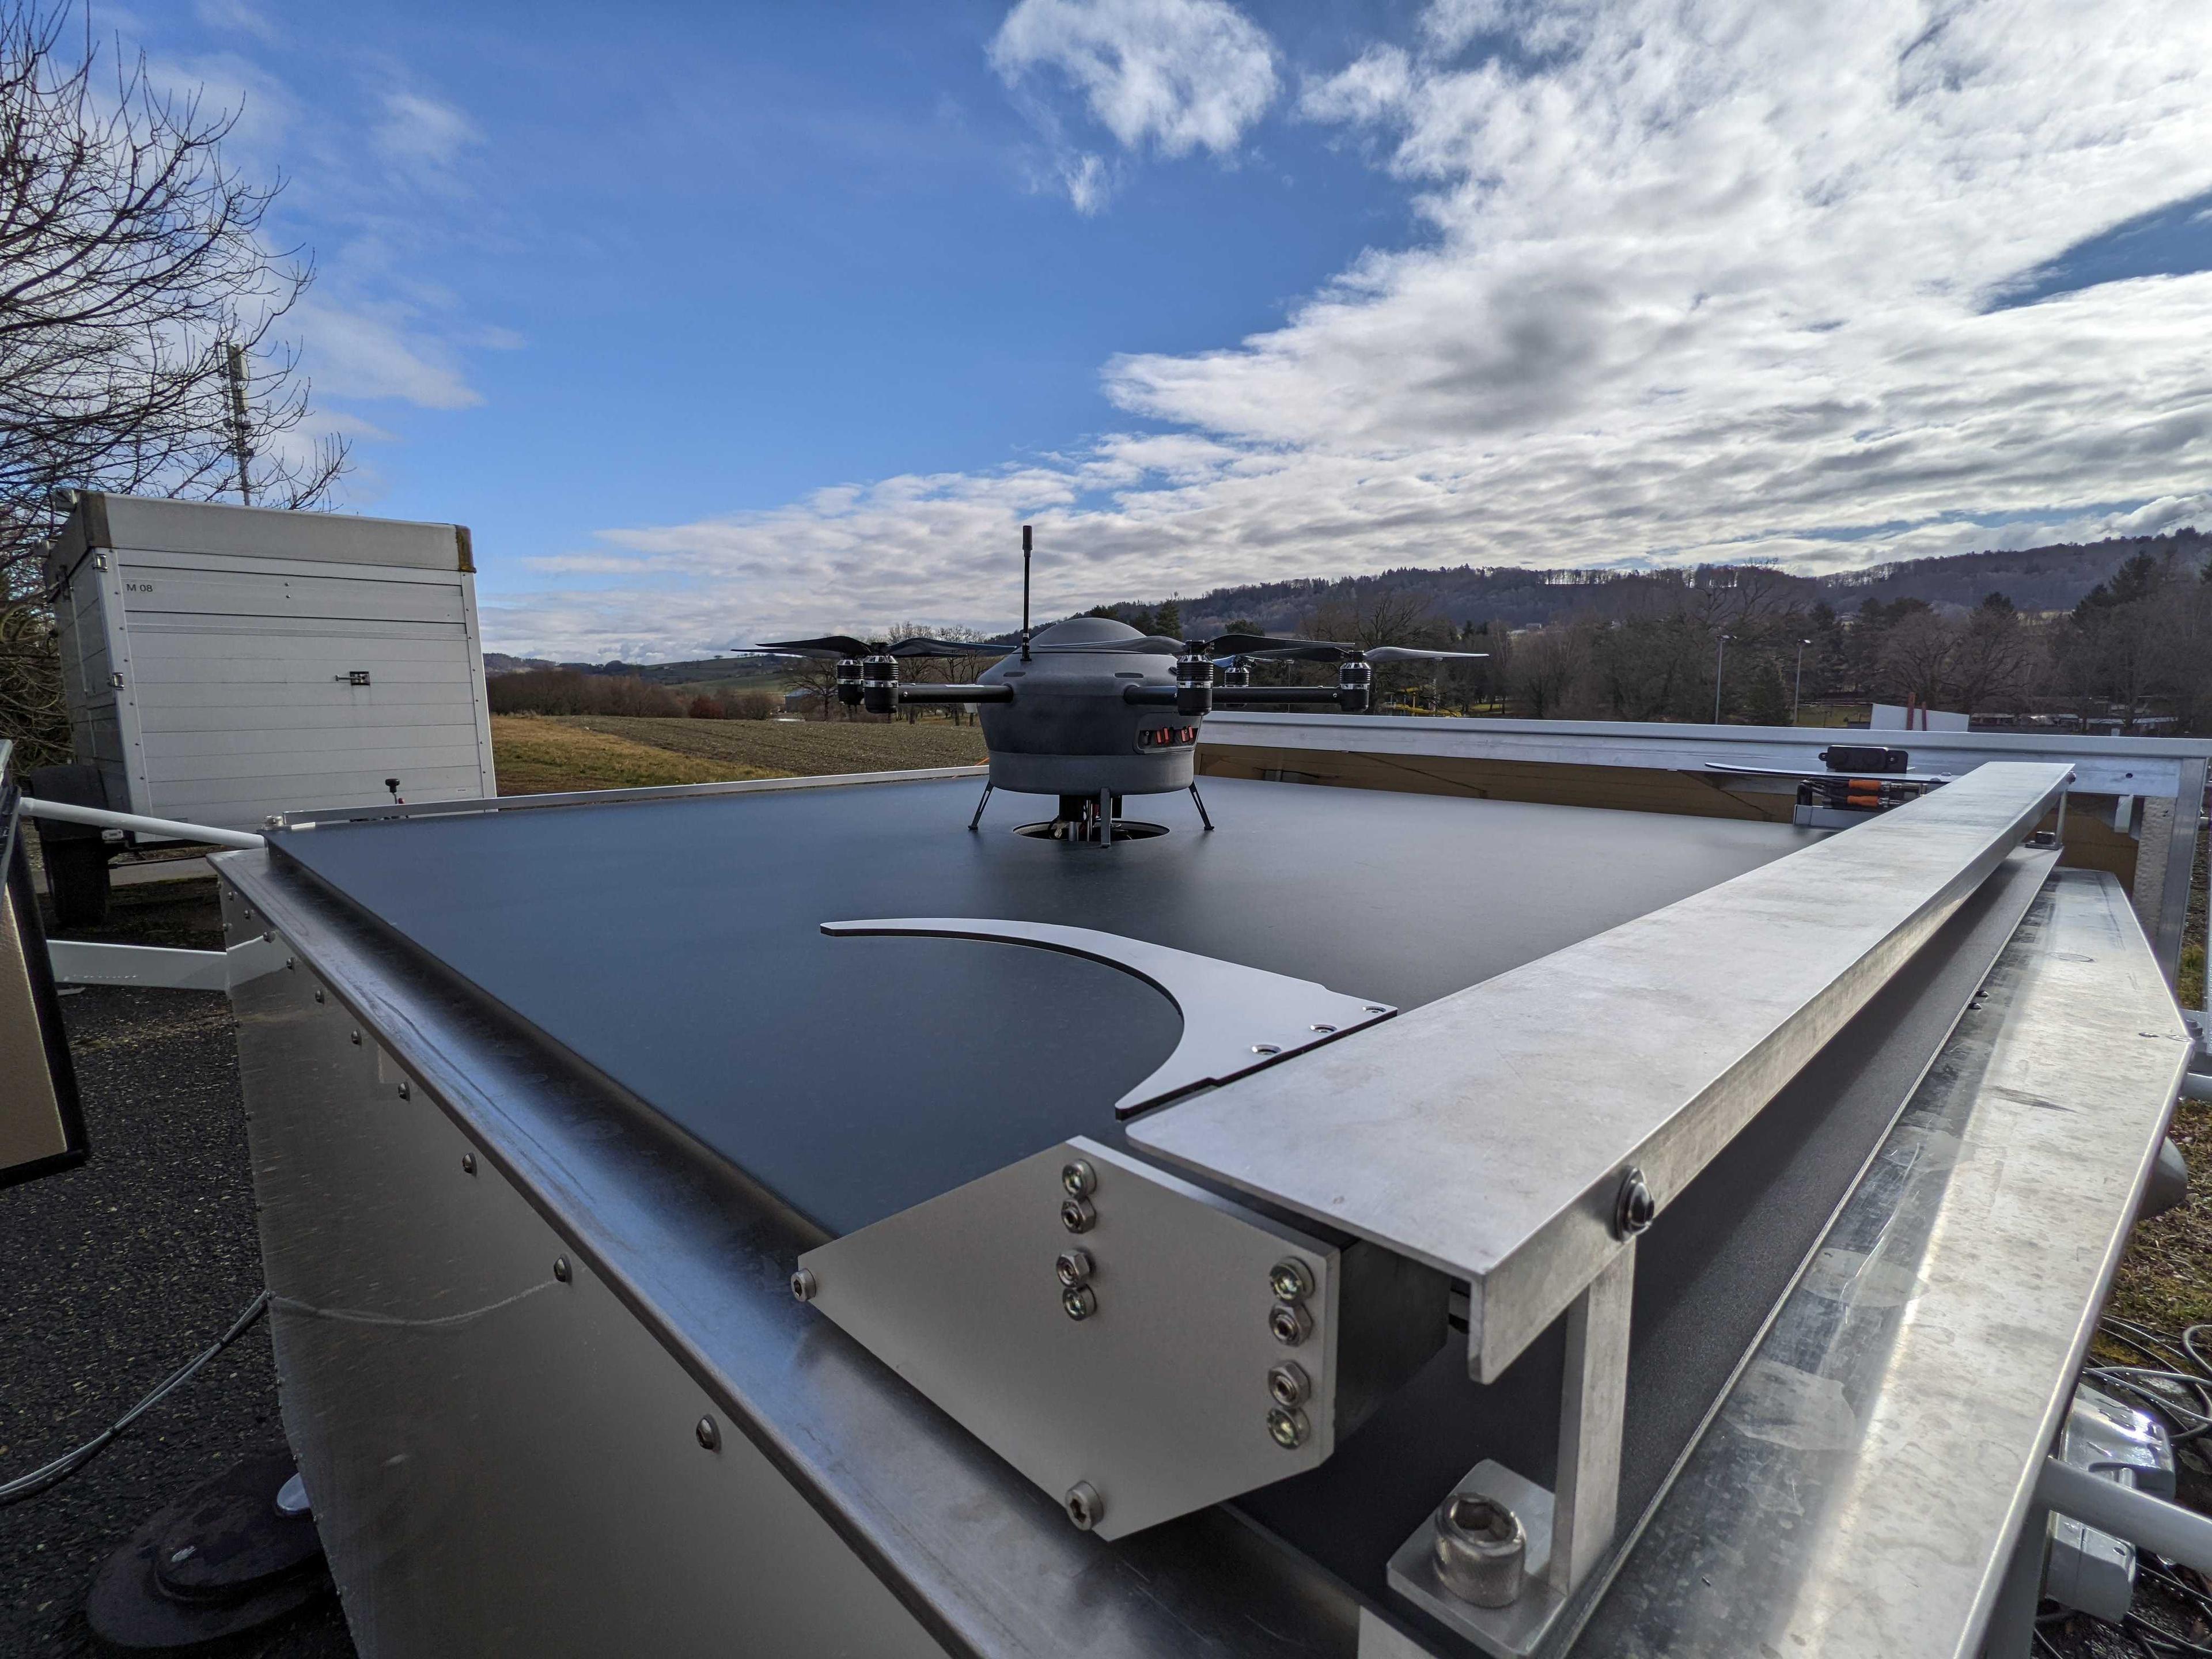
(134, 283)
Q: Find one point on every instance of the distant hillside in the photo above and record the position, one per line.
(2034, 578)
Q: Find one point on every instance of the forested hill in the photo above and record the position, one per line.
(2033, 579)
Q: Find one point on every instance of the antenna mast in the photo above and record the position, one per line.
(1025, 592)
(240, 442)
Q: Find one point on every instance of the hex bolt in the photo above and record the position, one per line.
(1480, 1549)
(319, 997)
(1072, 1267)
(1290, 1279)
(561, 1269)
(1077, 1215)
(1079, 1302)
(1289, 1323)
(1287, 1429)
(1084, 1505)
(354, 1037)
(1288, 1384)
(1635, 1209)
(292, 963)
(1079, 1179)
(269, 938)
(468, 1163)
(403, 1095)
(709, 1433)
(802, 1284)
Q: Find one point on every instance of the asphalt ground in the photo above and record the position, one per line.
(114, 1273)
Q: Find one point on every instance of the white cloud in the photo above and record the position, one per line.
(1167, 75)
(420, 132)
(1704, 279)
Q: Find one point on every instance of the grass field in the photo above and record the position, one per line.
(541, 755)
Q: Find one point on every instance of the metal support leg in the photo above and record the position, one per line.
(1591, 1401)
(2012, 1620)
(980, 806)
(1197, 801)
(1105, 817)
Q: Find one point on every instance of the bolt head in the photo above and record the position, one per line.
(561, 1269)
(1635, 1209)
(354, 1038)
(1288, 1384)
(1072, 1267)
(709, 1433)
(1290, 1279)
(1266, 1048)
(802, 1284)
(319, 997)
(1079, 1302)
(1287, 1428)
(403, 1095)
(1289, 1323)
(468, 1163)
(1077, 1215)
(1078, 1179)
(1085, 1506)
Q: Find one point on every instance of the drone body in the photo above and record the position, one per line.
(1089, 709)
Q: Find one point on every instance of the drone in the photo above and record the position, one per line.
(1090, 710)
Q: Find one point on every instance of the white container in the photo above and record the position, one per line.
(223, 664)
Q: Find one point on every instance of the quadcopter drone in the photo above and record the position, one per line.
(1090, 710)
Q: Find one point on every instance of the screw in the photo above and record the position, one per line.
(319, 997)
(1077, 1216)
(1079, 1302)
(292, 963)
(1287, 1429)
(1084, 1505)
(403, 1095)
(468, 1163)
(710, 1432)
(1288, 1383)
(1377, 1008)
(1323, 1029)
(269, 938)
(802, 1284)
(1480, 1549)
(355, 1037)
(1290, 1279)
(1633, 1210)
(1072, 1267)
(561, 1269)
(1079, 1179)
(1266, 1048)
(1289, 1323)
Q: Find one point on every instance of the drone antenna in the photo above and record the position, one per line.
(1025, 592)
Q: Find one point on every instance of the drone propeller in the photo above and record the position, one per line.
(1247, 645)
(829, 645)
(1332, 651)
(1414, 653)
(922, 645)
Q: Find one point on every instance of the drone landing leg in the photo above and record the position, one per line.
(1105, 817)
(980, 806)
(1198, 801)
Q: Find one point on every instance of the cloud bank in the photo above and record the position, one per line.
(1704, 279)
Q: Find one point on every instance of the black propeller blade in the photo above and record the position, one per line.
(829, 645)
(922, 646)
(1248, 645)
(1414, 653)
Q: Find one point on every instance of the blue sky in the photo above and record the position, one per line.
(712, 319)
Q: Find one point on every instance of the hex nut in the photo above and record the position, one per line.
(1289, 1323)
(1480, 1549)
(1288, 1383)
(1078, 1179)
(1290, 1279)
(1287, 1428)
(1077, 1215)
(709, 1433)
(1084, 1505)
(1079, 1302)
(802, 1284)
(1635, 1209)
(561, 1269)
(1072, 1267)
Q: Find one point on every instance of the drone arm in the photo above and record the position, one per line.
(1258, 696)
(955, 693)
(1150, 696)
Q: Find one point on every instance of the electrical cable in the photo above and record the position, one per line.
(53, 1473)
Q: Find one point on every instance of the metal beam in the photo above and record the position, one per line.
(77, 962)
(1648, 1047)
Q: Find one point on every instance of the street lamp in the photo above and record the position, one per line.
(1798, 692)
(1720, 663)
